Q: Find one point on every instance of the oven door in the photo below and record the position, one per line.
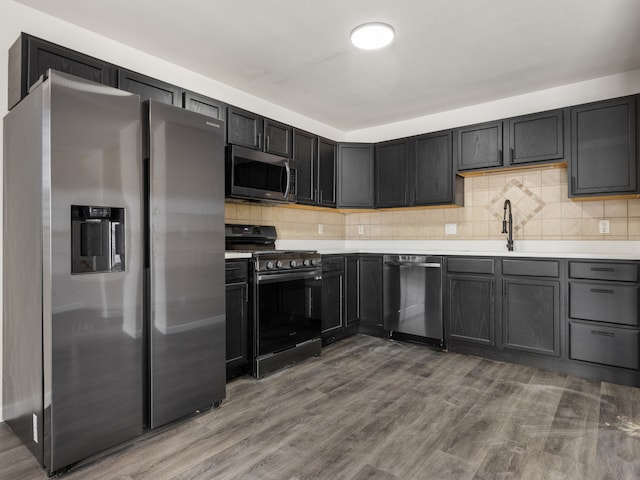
(287, 310)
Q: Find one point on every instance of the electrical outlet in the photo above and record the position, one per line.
(603, 226)
(450, 229)
(360, 229)
(320, 229)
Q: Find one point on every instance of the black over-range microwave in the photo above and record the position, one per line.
(255, 175)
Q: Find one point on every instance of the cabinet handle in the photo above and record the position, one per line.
(259, 140)
(267, 142)
(602, 290)
(231, 269)
(602, 269)
(500, 155)
(604, 334)
(512, 156)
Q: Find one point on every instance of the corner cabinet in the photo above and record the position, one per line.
(603, 148)
(392, 174)
(364, 293)
(355, 175)
(305, 158)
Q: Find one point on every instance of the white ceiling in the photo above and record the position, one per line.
(447, 54)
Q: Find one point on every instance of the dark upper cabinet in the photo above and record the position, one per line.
(278, 138)
(244, 128)
(30, 57)
(535, 138)
(433, 178)
(603, 148)
(392, 174)
(250, 130)
(305, 155)
(205, 105)
(355, 175)
(149, 88)
(480, 146)
(326, 172)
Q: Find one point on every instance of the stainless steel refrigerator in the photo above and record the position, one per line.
(113, 318)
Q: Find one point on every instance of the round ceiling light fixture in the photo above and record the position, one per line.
(371, 36)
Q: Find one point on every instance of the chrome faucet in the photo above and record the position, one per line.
(507, 203)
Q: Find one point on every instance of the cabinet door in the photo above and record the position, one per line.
(480, 146)
(205, 105)
(332, 301)
(531, 316)
(351, 294)
(603, 148)
(244, 128)
(370, 290)
(31, 57)
(355, 175)
(433, 170)
(392, 174)
(277, 138)
(149, 88)
(471, 308)
(305, 151)
(237, 325)
(536, 138)
(327, 150)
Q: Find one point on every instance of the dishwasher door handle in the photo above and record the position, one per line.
(414, 264)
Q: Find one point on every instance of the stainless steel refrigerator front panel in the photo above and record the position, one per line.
(22, 281)
(187, 292)
(94, 369)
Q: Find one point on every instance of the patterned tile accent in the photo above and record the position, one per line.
(524, 203)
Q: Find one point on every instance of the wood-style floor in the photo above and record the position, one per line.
(382, 410)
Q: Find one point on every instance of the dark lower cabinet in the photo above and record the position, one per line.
(471, 307)
(30, 57)
(364, 292)
(531, 315)
(603, 148)
(237, 317)
(333, 293)
(149, 88)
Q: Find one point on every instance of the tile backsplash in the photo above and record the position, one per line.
(540, 204)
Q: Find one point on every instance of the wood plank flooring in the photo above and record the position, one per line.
(375, 409)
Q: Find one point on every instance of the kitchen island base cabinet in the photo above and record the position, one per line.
(364, 294)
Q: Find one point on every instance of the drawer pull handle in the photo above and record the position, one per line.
(604, 334)
(602, 269)
(231, 269)
(602, 290)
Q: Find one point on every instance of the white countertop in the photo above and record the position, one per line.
(607, 250)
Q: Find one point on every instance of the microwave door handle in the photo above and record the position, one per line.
(288, 169)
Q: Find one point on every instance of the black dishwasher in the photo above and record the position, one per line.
(412, 296)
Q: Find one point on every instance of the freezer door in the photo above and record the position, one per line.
(186, 262)
(93, 343)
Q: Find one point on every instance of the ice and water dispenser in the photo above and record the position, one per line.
(97, 239)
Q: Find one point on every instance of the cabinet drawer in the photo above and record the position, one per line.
(605, 302)
(622, 272)
(235, 271)
(470, 265)
(532, 268)
(606, 345)
(330, 264)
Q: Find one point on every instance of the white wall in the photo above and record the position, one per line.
(16, 18)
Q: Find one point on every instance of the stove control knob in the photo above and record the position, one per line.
(305, 262)
(278, 264)
(269, 265)
(293, 264)
(313, 262)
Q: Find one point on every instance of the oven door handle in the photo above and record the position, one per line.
(283, 277)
